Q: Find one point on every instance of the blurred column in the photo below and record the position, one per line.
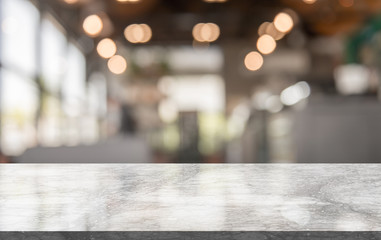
(189, 138)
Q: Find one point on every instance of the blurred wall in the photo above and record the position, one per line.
(339, 130)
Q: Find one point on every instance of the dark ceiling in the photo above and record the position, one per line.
(172, 20)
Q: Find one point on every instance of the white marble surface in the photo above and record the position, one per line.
(149, 197)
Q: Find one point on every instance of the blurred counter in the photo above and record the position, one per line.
(117, 149)
(147, 197)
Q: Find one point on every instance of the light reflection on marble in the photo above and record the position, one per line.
(145, 197)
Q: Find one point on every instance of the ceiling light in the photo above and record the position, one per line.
(128, 1)
(309, 1)
(283, 22)
(117, 64)
(71, 1)
(206, 32)
(93, 25)
(138, 33)
(106, 48)
(266, 44)
(253, 61)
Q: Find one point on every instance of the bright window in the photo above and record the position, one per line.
(18, 91)
(19, 26)
(19, 103)
(54, 47)
(74, 86)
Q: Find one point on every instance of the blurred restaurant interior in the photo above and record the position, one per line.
(200, 81)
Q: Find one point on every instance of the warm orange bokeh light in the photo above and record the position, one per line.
(206, 32)
(138, 33)
(106, 48)
(270, 29)
(309, 1)
(266, 44)
(117, 64)
(128, 1)
(283, 22)
(71, 1)
(253, 61)
(93, 25)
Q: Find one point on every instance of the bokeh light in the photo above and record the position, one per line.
(117, 64)
(283, 22)
(309, 1)
(71, 1)
(93, 25)
(196, 32)
(138, 33)
(147, 33)
(295, 93)
(273, 32)
(128, 1)
(352, 79)
(215, 1)
(270, 29)
(266, 44)
(106, 48)
(253, 61)
(206, 32)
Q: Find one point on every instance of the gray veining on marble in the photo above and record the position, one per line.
(166, 197)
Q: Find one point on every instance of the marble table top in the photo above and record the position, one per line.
(209, 197)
